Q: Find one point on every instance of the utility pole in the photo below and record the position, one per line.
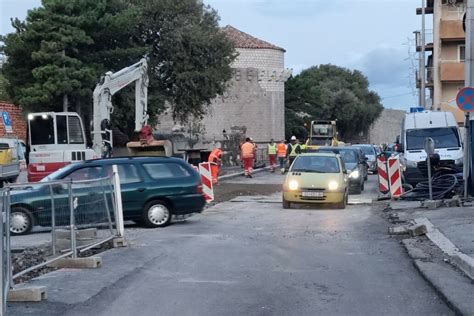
(422, 58)
(468, 82)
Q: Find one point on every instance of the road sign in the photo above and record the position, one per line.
(6, 122)
(465, 99)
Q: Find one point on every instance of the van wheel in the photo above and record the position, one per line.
(286, 204)
(21, 221)
(156, 214)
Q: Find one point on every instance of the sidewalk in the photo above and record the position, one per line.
(444, 250)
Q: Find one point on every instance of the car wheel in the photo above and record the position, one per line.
(21, 221)
(286, 204)
(358, 190)
(156, 214)
(342, 205)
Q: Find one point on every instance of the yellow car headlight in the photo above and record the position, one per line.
(293, 185)
(333, 185)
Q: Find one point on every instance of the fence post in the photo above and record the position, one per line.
(3, 278)
(8, 245)
(107, 207)
(118, 202)
(71, 221)
(53, 221)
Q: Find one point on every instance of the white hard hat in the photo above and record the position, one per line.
(293, 137)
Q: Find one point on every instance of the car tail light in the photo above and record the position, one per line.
(199, 188)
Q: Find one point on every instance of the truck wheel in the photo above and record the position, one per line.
(156, 214)
(21, 221)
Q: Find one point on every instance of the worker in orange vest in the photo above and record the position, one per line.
(248, 155)
(272, 155)
(281, 154)
(215, 158)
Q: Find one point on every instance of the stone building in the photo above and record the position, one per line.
(387, 127)
(255, 100)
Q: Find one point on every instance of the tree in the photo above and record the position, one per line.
(63, 47)
(3, 89)
(329, 92)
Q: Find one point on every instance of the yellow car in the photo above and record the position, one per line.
(316, 178)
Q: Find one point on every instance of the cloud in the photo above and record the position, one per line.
(385, 66)
(296, 8)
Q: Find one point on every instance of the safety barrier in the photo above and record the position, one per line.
(206, 179)
(382, 174)
(395, 177)
(80, 215)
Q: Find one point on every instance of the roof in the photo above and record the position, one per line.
(323, 154)
(243, 40)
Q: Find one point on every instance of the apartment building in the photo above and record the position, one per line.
(446, 50)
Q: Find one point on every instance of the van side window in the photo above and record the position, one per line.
(165, 170)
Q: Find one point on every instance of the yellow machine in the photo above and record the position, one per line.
(322, 133)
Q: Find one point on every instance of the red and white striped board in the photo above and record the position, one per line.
(206, 179)
(395, 177)
(382, 174)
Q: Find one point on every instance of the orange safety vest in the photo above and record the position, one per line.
(281, 150)
(248, 150)
(215, 155)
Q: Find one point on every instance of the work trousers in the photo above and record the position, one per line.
(291, 159)
(272, 162)
(248, 165)
(282, 160)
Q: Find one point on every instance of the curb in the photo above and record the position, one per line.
(238, 174)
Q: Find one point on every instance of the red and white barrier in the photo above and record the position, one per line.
(395, 177)
(382, 174)
(206, 179)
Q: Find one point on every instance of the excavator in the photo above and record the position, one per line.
(57, 138)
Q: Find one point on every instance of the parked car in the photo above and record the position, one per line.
(371, 153)
(316, 178)
(355, 163)
(152, 188)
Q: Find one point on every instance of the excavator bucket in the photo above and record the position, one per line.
(159, 148)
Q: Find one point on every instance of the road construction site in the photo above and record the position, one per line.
(245, 254)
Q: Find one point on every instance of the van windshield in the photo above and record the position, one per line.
(444, 137)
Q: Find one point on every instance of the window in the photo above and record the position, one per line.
(444, 137)
(86, 173)
(318, 164)
(75, 130)
(462, 52)
(42, 130)
(165, 170)
(128, 173)
(61, 129)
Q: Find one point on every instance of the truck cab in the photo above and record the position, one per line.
(443, 129)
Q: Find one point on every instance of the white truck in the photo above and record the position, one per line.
(443, 129)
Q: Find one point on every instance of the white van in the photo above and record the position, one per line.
(443, 129)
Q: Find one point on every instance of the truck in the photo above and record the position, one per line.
(322, 133)
(416, 127)
(58, 138)
(11, 160)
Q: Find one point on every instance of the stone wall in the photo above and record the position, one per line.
(18, 121)
(387, 127)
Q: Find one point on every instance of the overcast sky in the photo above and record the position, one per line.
(369, 35)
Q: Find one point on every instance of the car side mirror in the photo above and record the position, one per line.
(58, 188)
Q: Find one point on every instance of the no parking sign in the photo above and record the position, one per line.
(465, 99)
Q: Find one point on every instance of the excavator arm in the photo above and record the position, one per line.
(110, 84)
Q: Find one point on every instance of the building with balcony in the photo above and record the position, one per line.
(445, 63)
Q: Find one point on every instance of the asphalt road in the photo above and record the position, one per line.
(251, 257)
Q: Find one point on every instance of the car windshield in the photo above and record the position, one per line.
(444, 137)
(318, 164)
(367, 150)
(348, 155)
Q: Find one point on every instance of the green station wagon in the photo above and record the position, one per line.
(153, 189)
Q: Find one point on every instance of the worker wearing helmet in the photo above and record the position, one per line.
(294, 149)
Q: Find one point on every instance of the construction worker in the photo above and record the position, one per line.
(272, 155)
(294, 149)
(215, 159)
(281, 153)
(248, 157)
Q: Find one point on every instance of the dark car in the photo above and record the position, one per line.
(152, 189)
(355, 163)
(371, 153)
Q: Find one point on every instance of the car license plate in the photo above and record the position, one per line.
(312, 194)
